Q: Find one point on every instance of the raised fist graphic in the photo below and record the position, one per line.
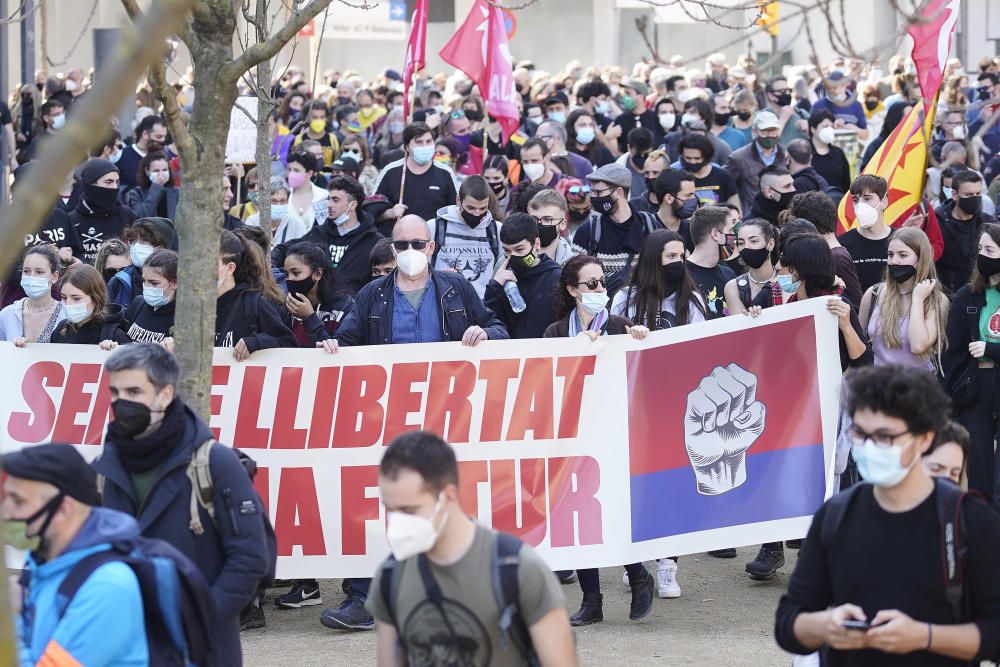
(723, 419)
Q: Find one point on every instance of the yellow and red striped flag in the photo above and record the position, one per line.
(902, 162)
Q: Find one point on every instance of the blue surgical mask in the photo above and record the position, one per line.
(882, 466)
(155, 297)
(139, 253)
(341, 219)
(585, 135)
(787, 284)
(278, 211)
(117, 155)
(423, 154)
(396, 127)
(557, 116)
(34, 286)
(603, 107)
(77, 312)
(594, 302)
(58, 121)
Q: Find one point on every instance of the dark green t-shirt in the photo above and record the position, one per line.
(470, 603)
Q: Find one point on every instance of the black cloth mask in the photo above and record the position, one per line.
(754, 257)
(139, 455)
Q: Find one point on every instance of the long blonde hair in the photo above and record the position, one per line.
(891, 303)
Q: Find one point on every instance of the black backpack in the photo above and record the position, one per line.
(506, 589)
(441, 233)
(954, 545)
(176, 599)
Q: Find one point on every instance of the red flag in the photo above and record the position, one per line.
(479, 48)
(416, 50)
(932, 43)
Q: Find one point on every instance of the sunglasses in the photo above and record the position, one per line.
(458, 114)
(416, 244)
(579, 189)
(594, 282)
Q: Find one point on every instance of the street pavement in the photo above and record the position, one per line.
(722, 618)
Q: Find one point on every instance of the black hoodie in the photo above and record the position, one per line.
(244, 314)
(960, 245)
(537, 286)
(145, 324)
(110, 326)
(96, 228)
(349, 253)
(765, 208)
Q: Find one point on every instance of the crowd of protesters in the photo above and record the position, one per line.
(626, 202)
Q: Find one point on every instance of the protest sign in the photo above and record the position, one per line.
(701, 437)
(241, 142)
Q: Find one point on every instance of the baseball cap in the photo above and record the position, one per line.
(612, 174)
(766, 120)
(56, 464)
(636, 85)
(348, 165)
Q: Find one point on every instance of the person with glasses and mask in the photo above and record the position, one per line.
(550, 210)
(577, 194)
(406, 306)
(416, 184)
(854, 595)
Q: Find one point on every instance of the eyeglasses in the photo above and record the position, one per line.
(594, 282)
(548, 221)
(416, 244)
(603, 193)
(859, 437)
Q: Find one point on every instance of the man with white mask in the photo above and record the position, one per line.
(868, 243)
(406, 306)
(901, 564)
(440, 555)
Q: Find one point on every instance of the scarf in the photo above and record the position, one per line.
(599, 323)
(139, 455)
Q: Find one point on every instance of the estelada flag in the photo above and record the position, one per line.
(416, 51)
(932, 42)
(479, 48)
(713, 444)
(902, 162)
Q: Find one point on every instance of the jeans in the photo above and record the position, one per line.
(590, 581)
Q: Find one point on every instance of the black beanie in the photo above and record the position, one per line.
(94, 169)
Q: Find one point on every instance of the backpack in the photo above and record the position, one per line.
(202, 494)
(506, 589)
(954, 545)
(251, 312)
(619, 278)
(176, 599)
(441, 232)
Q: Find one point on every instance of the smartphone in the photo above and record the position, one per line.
(852, 624)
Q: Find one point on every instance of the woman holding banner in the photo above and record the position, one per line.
(581, 306)
(150, 316)
(756, 240)
(34, 318)
(90, 318)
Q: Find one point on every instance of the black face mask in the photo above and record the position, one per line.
(783, 100)
(603, 204)
(672, 272)
(651, 187)
(109, 274)
(300, 286)
(472, 220)
(100, 200)
(521, 263)
(639, 161)
(988, 266)
(744, 115)
(785, 200)
(970, 205)
(48, 510)
(871, 105)
(473, 115)
(754, 257)
(578, 216)
(131, 417)
(692, 167)
(547, 234)
(900, 273)
(722, 118)
(498, 188)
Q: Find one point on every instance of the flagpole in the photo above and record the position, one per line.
(413, 96)
(489, 69)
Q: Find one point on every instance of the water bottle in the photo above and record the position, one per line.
(514, 296)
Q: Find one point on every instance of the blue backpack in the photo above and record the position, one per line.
(176, 601)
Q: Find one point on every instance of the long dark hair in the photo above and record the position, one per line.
(330, 288)
(810, 257)
(249, 264)
(647, 289)
(142, 177)
(562, 301)
(977, 282)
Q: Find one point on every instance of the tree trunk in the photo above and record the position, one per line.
(199, 222)
(264, 106)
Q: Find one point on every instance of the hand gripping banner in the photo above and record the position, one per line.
(707, 436)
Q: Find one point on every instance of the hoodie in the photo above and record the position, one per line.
(765, 208)
(111, 594)
(145, 324)
(960, 245)
(244, 314)
(349, 252)
(95, 227)
(537, 286)
(110, 326)
(471, 251)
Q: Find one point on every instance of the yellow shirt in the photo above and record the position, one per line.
(368, 116)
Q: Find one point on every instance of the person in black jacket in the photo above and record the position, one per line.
(99, 215)
(413, 304)
(150, 316)
(316, 302)
(155, 195)
(533, 274)
(244, 319)
(144, 237)
(90, 319)
(147, 453)
(974, 352)
(960, 220)
(348, 234)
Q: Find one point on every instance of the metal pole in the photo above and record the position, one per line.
(4, 148)
(28, 42)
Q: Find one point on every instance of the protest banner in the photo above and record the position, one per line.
(241, 142)
(702, 437)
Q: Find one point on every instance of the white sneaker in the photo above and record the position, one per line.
(625, 579)
(666, 579)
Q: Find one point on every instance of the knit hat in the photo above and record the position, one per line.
(94, 169)
(162, 227)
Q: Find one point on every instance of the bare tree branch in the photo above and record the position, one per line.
(267, 50)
